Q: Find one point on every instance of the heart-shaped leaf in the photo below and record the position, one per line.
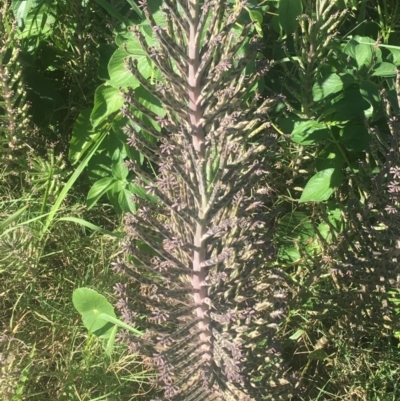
(288, 11)
(90, 304)
(321, 186)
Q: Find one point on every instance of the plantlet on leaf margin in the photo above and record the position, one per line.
(212, 308)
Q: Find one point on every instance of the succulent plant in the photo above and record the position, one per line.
(208, 304)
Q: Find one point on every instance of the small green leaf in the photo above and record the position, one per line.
(323, 88)
(288, 12)
(309, 132)
(297, 335)
(321, 186)
(90, 304)
(98, 189)
(107, 100)
(384, 70)
(318, 354)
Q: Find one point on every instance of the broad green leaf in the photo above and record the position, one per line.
(107, 100)
(330, 157)
(116, 153)
(39, 20)
(288, 124)
(335, 215)
(355, 137)
(295, 225)
(148, 100)
(146, 27)
(125, 201)
(276, 26)
(119, 74)
(141, 192)
(335, 219)
(384, 70)
(347, 105)
(369, 91)
(118, 125)
(257, 18)
(325, 231)
(395, 55)
(309, 132)
(21, 9)
(288, 12)
(100, 165)
(98, 189)
(105, 51)
(321, 186)
(288, 252)
(90, 304)
(325, 87)
(362, 49)
(119, 170)
(83, 136)
(113, 195)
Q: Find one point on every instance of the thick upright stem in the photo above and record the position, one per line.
(194, 84)
(198, 135)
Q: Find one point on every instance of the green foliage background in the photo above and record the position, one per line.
(65, 185)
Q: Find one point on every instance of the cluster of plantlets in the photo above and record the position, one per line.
(210, 309)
